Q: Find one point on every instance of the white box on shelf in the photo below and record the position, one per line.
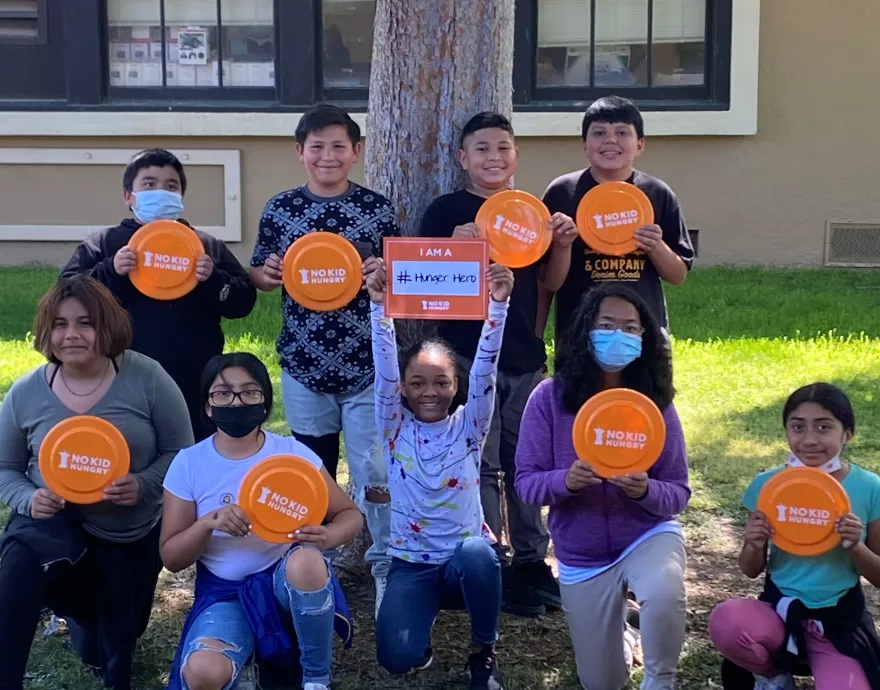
(134, 74)
(173, 52)
(186, 75)
(239, 74)
(120, 51)
(172, 77)
(207, 75)
(261, 74)
(156, 51)
(117, 74)
(152, 74)
(140, 52)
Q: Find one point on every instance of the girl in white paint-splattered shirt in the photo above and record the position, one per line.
(441, 550)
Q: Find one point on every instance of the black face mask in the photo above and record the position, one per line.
(238, 420)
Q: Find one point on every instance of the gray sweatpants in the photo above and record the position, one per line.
(596, 610)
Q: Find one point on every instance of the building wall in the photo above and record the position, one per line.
(756, 199)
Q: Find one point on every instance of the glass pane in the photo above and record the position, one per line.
(679, 43)
(621, 43)
(348, 42)
(191, 39)
(135, 36)
(248, 43)
(563, 43)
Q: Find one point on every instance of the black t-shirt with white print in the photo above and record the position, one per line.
(590, 268)
(327, 352)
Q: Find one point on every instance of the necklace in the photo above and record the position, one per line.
(82, 395)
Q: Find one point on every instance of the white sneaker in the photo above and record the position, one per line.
(381, 583)
(630, 642)
(248, 679)
(315, 686)
(783, 681)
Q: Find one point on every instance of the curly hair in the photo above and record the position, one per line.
(577, 372)
(443, 347)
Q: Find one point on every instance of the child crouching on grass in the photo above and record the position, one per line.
(442, 555)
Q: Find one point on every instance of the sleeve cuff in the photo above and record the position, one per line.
(558, 486)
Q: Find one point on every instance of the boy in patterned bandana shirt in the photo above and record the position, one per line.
(326, 357)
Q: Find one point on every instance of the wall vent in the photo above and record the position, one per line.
(20, 20)
(852, 244)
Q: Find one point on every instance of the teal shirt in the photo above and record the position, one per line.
(820, 581)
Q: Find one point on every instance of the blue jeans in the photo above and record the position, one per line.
(417, 592)
(312, 614)
(321, 414)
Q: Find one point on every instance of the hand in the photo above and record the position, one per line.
(564, 230)
(44, 504)
(849, 527)
(376, 278)
(648, 238)
(124, 261)
(230, 520)
(758, 530)
(311, 534)
(500, 282)
(580, 475)
(468, 231)
(273, 271)
(124, 491)
(204, 268)
(633, 485)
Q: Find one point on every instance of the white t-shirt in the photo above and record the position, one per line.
(201, 475)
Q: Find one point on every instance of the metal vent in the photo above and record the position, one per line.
(852, 244)
(19, 20)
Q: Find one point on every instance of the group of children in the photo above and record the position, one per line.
(432, 452)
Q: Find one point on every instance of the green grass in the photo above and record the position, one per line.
(744, 339)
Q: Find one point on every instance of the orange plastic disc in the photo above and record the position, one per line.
(281, 494)
(167, 252)
(322, 271)
(609, 215)
(517, 227)
(81, 456)
(802, 505)
(619, 431)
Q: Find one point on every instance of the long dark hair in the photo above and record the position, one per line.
(577, 372)
(828, 397)
(252, 364)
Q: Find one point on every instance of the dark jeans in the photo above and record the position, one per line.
(107, 596)
(417, 592)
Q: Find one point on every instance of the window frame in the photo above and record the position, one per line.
(42, 37)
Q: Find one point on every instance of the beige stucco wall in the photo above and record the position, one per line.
(758, 199)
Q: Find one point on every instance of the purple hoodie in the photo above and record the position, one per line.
(592, 527)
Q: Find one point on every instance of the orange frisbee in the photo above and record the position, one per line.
(81, 456)
(167, 252)
(281, 494)
(516, 225)
(619, 431)
(609, 215)
(802, 505)
(322, 271)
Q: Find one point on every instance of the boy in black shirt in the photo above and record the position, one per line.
(614, 136)
(184, 333)
(489, 156)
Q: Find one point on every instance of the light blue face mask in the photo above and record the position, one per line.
(615, 350)
(157, 204)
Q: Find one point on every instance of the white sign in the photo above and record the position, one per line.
(443, 278)
(193, 46)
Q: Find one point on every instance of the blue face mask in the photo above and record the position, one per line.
(614, 350)
(157, 204)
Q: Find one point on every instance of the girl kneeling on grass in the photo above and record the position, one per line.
(619, 533)
(252, 597)
(441, 550)
(812, 609)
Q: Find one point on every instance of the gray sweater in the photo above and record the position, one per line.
(142, 402)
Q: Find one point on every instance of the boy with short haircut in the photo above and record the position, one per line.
(489, 155)
(326, 357)
(184, 333)
(614, 136)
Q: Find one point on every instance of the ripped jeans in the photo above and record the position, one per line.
(313, 615)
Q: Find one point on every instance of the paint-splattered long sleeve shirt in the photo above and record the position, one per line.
(434, 468)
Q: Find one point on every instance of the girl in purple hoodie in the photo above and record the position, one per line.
(617, 534)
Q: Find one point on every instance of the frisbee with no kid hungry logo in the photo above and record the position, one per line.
(619, 431)
(802, 505)
(167, 252)
(281, 494)
(516, 224)
(322, 271)
(81, 456)
(609, 215)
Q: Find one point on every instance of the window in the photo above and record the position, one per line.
(22, 21)
(348, 42)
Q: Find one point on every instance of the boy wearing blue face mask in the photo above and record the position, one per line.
(182, 334)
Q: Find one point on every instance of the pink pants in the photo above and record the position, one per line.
(750, 633)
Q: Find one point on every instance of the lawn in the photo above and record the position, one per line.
(744, 339)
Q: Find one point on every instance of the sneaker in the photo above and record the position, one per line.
(381, 582)
(426, 664)
(248, 679)
(483, 670)
(544, 586)
(517, 597)
(315, 686)
(783, 681)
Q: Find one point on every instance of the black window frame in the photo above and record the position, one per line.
(42, 18)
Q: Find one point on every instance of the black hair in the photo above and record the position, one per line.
(324, 115)
(579, 375)
(152, 158)
(443, 347)
(252, 364)
(612, 110)
(828, 397)
(485, 120)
